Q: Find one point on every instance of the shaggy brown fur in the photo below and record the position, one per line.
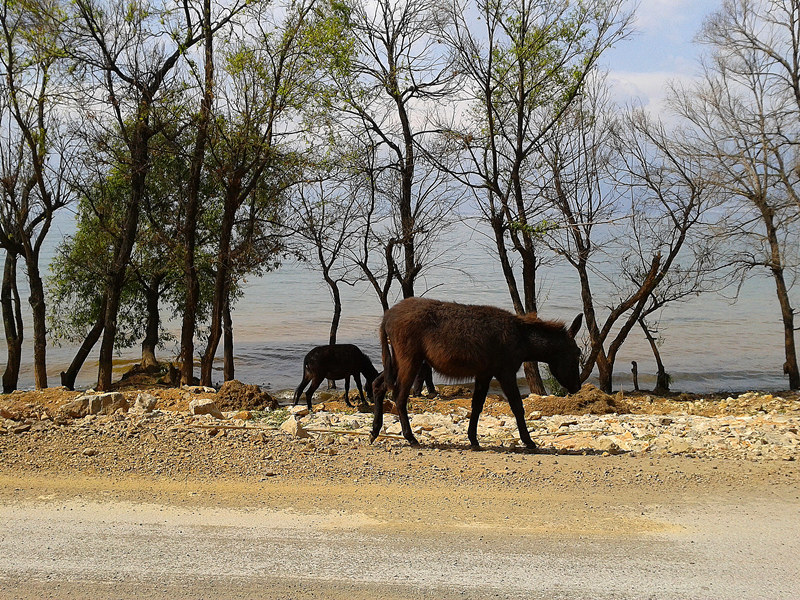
(461, 341)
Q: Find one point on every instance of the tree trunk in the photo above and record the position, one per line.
(787, 315)
(605, 373)
(662, 378)
(337, 314)
(12, 322)
(221, 285)
(192, 207)
(534, 378)
(37, 303)
(150, 340)
(114, 285)
(68, 377)
(337, 309)
(505, 263)
(140, 158)
(227, 325)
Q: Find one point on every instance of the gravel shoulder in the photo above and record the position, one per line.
(167, 504)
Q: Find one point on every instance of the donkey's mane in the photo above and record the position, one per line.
(548, 326)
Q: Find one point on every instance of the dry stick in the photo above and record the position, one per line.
(382, 435)
(263, 428)
(567, 432)
(272, 428)
(351, 432)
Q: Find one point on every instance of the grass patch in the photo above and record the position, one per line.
(271, 417)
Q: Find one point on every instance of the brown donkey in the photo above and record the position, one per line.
(464, 341)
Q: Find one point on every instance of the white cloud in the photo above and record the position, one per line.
(648, 89)
(673, 19)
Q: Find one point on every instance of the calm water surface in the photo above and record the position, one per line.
(709, 344)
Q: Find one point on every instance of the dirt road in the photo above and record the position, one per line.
(168, 505)
(729, 530)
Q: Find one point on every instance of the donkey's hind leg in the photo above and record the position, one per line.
(406, 372)
(478, 399)
(357, 377)
(315, 383)
(347, 391)
(401, 392)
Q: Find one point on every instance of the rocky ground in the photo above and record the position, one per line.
(164, 431)
(139, 493)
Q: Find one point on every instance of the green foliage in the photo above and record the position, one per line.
(552, 385)
(536, 230)
(275, 418)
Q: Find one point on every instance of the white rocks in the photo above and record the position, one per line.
(144, 403)
(606, 444)
(761, 436)
(94, 404)
(293, 427)
(205, 406)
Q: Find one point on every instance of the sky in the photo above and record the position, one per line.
(660, 49)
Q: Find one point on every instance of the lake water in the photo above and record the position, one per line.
(709, 344)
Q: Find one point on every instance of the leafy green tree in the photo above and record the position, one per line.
(154, 277)
(269, 75)
(36, 159)
(124, 55)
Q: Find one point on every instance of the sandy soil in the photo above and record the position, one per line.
(168, 513)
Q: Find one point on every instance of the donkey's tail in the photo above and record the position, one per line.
(387, 358)
(388, 383)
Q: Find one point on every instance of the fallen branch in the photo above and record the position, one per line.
(567, 432)
(273, 428)
(261, 428)
(354, 432)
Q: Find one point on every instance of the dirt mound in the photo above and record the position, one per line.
(588, 401)
(454, 391)
(235, 395)
(163, 375)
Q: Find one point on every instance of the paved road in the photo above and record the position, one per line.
(74, 548)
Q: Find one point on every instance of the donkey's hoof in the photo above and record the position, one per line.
(475, 447)
(531, 446)
(372, 438)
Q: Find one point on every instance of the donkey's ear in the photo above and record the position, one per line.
(576, 325)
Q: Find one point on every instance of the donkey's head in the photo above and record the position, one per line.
(565, 364)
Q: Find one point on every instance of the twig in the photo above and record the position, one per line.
(262, 428)
(567, 432)
(272, 428)
(353, 432)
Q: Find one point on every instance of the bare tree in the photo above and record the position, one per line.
(742, 130)
(324, 217)
(762, 34)
(524, 70)
(396, 71)
(626, 206)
